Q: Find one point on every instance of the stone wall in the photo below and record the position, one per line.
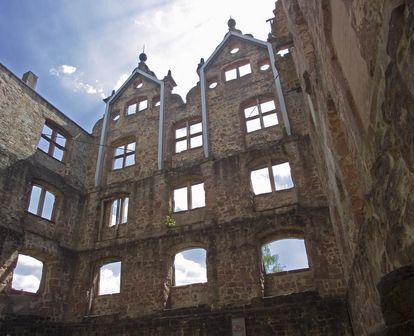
(354, 60)
(232, 227)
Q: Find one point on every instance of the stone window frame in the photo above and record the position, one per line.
(188, 184)
(262, 63)
(123, 143)
(97, 265)
(269, 164)
(290, 234)
(234, 45)
(108, 203)
(156, 101)
(40, 257)
(52, 139)
(45, 187)
(181, 247)
(236, 66)
(256, 103)
(187, 125)
(138, 108)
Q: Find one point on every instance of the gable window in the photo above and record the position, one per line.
(132, 109)
(52, 142)
(27, 274)
(190, 267)
(142, 105)
(189, 136)
(264, 65)
(237, 71)
(271, 178)
(42, 202)
(189, 197)
(260, 115)
(110, 278)
(124, 156)
(119, 211)
(284, 255)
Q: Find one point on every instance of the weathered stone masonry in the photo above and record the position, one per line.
(337, 205)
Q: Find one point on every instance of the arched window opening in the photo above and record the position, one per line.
(42, 202)
(110, 278)
(190, 267)
(27, 275)
(284, 255)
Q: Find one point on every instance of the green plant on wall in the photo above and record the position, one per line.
(169, 221)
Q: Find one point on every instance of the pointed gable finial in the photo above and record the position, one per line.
(231, 24)
(143, 56)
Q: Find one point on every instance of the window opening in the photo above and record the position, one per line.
(189, 136)
(132, 109)
(190, 267)
(27, 274)
(142, 105)
(271, 179)
(110, 278)
(261, 115)
(234, 50)
(212, 85)
(115, 117)
(42, 202)
(189, 197)
(140, 85)
(237, 72)
(52, 142)
(264, 66)
(284, 255)
(119, 211)
(283, 52)
(124, 156)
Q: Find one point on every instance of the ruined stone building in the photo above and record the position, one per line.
(328, 130)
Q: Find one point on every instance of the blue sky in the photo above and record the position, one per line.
(81, 50)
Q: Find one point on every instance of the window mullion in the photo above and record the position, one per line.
(272, 178)
(41, 201)
(188, 134)
(189, 200)
(52, 142)
(118, 211)
(259, 109)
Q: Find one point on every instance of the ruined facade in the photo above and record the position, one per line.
(335, 110)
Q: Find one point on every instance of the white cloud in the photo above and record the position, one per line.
(27, 283)
(63, 69)
(109, 282)
(120, 81)
(27, 274)
(188, 271)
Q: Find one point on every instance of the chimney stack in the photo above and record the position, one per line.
(30, 79)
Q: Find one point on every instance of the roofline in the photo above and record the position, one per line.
(264, 44)
(105, 125)
(44, 100)
(126, 83)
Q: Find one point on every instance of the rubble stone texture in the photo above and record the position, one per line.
(348, 86)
